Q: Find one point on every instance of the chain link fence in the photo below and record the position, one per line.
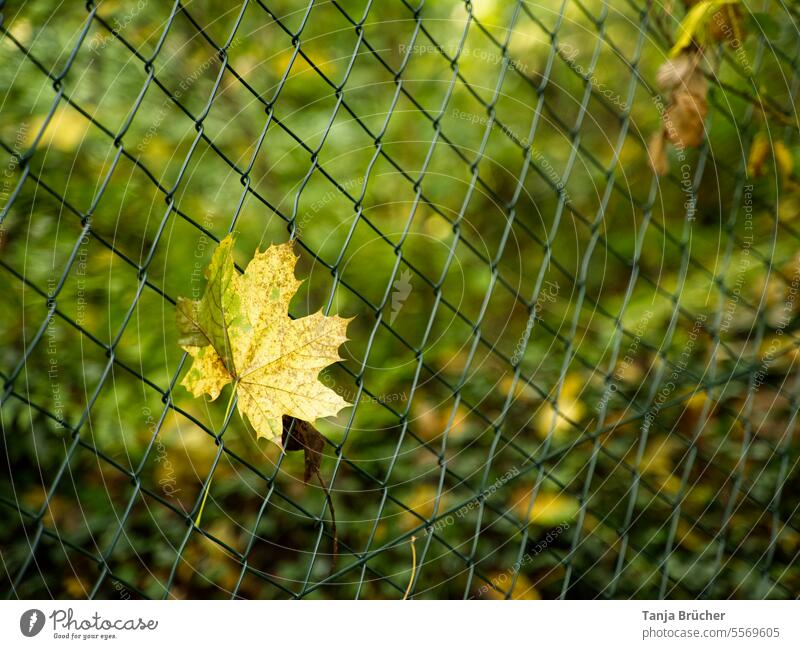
(570, 377)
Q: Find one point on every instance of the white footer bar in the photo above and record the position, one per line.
(389, 624)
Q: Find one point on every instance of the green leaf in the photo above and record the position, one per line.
(763, 23)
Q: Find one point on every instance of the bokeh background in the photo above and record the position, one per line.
(571, 377)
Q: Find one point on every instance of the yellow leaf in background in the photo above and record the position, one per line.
(487, 11)
(65, 131)
(696, 401)
(437, 227)
(522, 390)
(281, 61)
(788, 539)
(657, 458)
(658, 463)
(775, 347)
(570, 409)
(689, 537)
(789, 206)
(759, 152)
(240, 332)
(694, 21)
(421, 501)
(77, 588)
(432, 421)
(425, 418)
(783, 160)
(550, 507)
(21, 30)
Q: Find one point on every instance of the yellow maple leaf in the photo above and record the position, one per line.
(240, 332)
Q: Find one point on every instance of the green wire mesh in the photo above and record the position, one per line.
(570, 378)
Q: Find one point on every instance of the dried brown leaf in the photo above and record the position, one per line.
(685, 119)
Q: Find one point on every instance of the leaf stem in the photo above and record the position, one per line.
(325, 489)
(230, 401)
(208, 484)
(413, 567)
